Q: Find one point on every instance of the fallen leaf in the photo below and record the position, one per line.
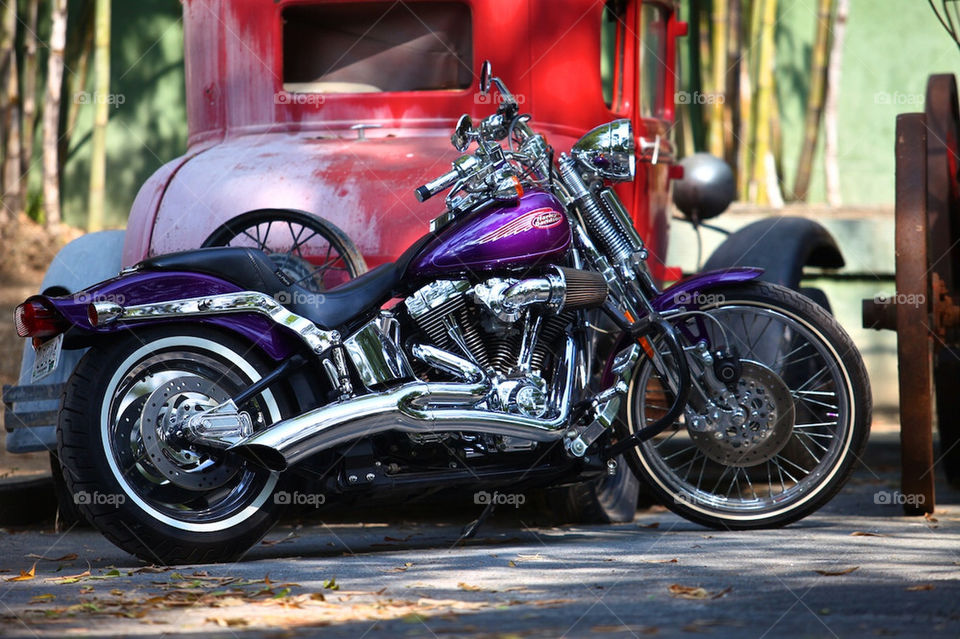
(660, 561)
(41, 598)
(861, 533)
(655, 524)
(695, 592)
(930, 517)
(331, 584)
(405, 567)
(469, 588)
(919, 587)
(512, 563)
(274, 542)
(388, 538)
(69, 557)
(72, 579)
(228, 623)
(149, 570)
(836, 573)
(86, 590)
(633, 630)
(25, 575)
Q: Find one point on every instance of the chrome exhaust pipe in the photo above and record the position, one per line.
(415, 407)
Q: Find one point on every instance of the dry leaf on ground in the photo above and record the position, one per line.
(837, 573)
(25, 575)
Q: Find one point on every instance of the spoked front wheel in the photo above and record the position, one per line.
(780, 442)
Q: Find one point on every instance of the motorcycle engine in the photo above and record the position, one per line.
(516, 355)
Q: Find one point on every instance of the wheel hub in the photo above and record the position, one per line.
(750, 423)
(162, 423)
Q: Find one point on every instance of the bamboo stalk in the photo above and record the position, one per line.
(831, 106)
(734, 59)
(98, 153)
(748, 115)
(29, 88)
(718, 85)
(764, 109)
(51, 114)
(818, 81)
(12, 184)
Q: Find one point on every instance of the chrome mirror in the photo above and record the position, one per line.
(486, 73)
(461, 134)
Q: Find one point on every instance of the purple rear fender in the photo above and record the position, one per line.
(150, 287)
(688, 291)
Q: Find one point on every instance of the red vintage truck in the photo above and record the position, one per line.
(311, 122)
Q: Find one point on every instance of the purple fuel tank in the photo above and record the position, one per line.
(533, 231)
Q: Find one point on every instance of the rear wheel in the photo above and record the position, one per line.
(127, 465)
(782, 441)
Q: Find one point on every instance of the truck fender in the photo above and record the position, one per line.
(781, 246)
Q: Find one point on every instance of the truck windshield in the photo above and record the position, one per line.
(373, 47)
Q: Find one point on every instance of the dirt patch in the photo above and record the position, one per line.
(28, 249)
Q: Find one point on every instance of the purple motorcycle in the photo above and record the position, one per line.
(521, 344)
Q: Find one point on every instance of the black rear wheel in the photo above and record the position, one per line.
(127, 465)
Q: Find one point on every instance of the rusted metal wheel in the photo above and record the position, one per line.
(912, 309)
(943, 219)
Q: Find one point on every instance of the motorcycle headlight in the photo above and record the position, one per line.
(608, 151)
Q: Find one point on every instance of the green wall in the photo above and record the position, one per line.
(891, 48)
(150, 127)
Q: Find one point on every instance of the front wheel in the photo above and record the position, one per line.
(776, 445)
(135, 477)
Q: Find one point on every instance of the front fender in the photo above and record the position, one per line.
(691, 289)
(153, 287)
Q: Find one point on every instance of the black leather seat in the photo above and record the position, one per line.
(252, 270)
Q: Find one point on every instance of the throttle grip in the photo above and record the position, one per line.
(431, 188)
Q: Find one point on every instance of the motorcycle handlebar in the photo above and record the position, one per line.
(433, 187)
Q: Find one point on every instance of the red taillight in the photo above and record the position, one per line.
(33, 319)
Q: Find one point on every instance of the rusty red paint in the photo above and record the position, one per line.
(247, 149)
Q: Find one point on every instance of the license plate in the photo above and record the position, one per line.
(48, 356)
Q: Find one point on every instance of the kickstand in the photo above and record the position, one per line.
(471, 529)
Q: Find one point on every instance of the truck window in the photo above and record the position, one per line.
(612, 45)
(653, 60)
(373, 47)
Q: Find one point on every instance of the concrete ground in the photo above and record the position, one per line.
(857, 568)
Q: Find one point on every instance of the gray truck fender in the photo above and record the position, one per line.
(31, 423)
(781, 246)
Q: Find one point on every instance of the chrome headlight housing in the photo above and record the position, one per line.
(608, 151)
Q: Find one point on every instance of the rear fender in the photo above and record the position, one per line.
(153, 287)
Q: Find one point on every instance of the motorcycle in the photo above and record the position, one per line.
(522, 342)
